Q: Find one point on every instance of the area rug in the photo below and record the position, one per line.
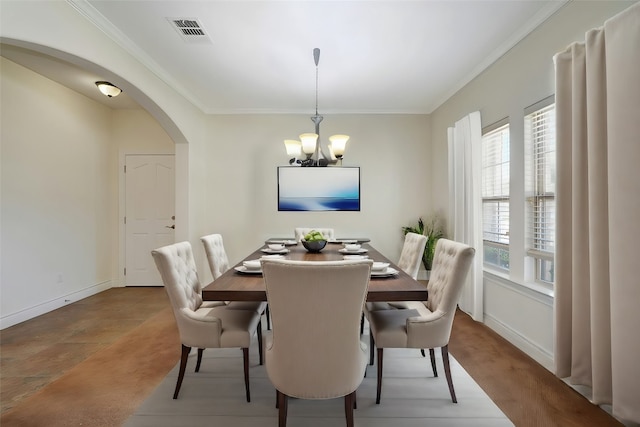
(411, 397)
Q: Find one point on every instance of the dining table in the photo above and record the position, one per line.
(240, 284)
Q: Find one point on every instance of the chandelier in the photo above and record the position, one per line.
(310, 144)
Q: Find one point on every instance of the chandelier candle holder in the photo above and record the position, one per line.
(310, 144)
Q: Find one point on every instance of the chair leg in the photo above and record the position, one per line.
(259, 333)
(282, 409)
(200, 351)
(183, 365)
(379, 388)
(447, 372)
(349, 401)
(432, 354)
(268, 316)
(245, 359)
(422, 352)
(362, 324)
(371, 346)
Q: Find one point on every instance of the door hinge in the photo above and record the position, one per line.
(125, 168)
(125, 271)
(125, 219)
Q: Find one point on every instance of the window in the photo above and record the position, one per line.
(495, 195)
(540, 179)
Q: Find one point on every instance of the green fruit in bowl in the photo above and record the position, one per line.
(313, 235)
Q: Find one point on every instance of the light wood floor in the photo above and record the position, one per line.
(93, 362)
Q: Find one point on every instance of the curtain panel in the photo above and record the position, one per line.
(465, 203)
(597, 289)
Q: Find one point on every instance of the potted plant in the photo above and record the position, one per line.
(434, 231)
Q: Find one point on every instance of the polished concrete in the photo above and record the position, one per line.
(96, 361)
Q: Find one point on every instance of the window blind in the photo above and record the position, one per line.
(540, 130)
(495, 185)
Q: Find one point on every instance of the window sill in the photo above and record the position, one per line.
(535, 287)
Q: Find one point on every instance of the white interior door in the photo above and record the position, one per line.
(149, 214)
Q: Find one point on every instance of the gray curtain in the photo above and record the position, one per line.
(597, 295)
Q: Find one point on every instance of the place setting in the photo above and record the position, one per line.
(285, 242)
(342, 241)
(275, 248)
(353, 248)
(253, 266)
(382, 269)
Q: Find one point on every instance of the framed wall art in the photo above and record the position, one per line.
(318, 188)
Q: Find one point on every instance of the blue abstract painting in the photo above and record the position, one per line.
(318, 188)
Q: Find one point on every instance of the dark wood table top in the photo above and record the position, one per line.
(235, 286)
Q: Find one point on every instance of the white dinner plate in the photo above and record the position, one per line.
(244, 270)
(388, 272)
(277, 251)
(283, 242)
(342, 241)
(352, 257)
(359, 251)
(272, 256)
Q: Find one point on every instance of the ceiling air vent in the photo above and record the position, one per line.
(190, 29)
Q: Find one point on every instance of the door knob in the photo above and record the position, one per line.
(170, 226)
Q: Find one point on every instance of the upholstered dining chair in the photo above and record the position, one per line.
(409, 261)
(300, 232)
(219, 264)
(411, 255)
(315, 350)
(425, 324)
(202, 324)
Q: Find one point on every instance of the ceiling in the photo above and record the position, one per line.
(390, 56)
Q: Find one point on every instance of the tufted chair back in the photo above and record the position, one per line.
(451, 262)
(428, 324)
(177, 268)
(411, 255)
(203, 325)
(315, 352)
(216, 254)
(327, 233)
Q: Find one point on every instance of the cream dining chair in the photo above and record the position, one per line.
(315, 350)
(409, 261)
(203, 324)
(327, 233)
(411, 255)
(219, 264)
(425, 324)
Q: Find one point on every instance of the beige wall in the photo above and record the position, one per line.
(60, 194)
(237, 189)
(523, 76)
(244, 151)
(57, 178)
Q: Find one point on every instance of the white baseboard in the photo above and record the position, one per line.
(531, 349)
(45, 307)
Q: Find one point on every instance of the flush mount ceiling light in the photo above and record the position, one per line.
(309, 143)
(108, 89)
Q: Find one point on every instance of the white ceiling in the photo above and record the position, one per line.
(256, 56)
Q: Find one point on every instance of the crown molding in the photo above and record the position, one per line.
(84, 8)
(538, 19)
